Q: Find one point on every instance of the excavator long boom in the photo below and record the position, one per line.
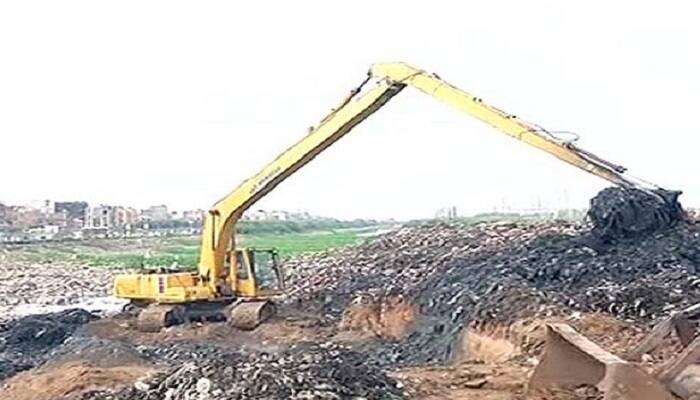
(389, 79)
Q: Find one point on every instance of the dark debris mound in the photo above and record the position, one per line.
(305, 371)
(459, 275)
(618, 212)
(636, 279)
(400, 262)
(24, 343)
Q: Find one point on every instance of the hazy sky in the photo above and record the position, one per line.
(143, 102)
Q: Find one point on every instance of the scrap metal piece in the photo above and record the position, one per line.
(690, 355)
(660, 331)
(571, 361)
(680, 323)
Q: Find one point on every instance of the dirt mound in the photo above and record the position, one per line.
(623, 213)
(300, 372)
(582, 393)
(503, 381)
(26, 342)
(97, 352)
(390, 318)
(495, 342)
(70, 379)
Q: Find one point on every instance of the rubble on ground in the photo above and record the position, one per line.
(459, 275)
(30, 288)
(26, 342)
(305, 371)
(416, 289)
(399, 262)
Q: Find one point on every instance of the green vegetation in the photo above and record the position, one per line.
(290, 244)
(183, 252)
(301, 226)
(289, 237)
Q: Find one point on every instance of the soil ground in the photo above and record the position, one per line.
(495, 368)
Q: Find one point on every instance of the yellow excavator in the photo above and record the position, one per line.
(238, 284)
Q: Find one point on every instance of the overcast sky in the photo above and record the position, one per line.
(145, 102)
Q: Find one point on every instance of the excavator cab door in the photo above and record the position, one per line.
(269, 280)
(258, 273)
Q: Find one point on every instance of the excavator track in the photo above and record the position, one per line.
(248, 315)
(245, 315)
(157, 316)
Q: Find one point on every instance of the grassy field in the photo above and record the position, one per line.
(179, 251)
(290, 238)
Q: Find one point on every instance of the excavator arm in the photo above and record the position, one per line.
(431, 84)
(218, 234)
(389, 79)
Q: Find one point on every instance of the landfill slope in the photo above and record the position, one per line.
(465, 275)
(355, 318)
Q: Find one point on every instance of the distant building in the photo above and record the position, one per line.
(276, 215)
(156, 213)
(126, 217)
(99, 216)
(106, 216)
(195, 216)
(44, 206)
(23, 217)
(446, 213)
(73, 210)
(45, 232)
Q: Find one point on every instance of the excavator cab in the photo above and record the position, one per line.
(257, 273)
(255, 278)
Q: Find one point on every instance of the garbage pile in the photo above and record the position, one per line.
(618, 212)
(26, 342)
(460, 275)
(305, 371)
(637, 279)
(31, 288)
(400, 262)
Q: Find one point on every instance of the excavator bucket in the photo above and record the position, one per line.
(571, 361)
(248, 315)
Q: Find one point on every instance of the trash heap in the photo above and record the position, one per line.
(26, 342)
(29, 287)
(400, 262)
(464, 275)
(305, 371)
(618, 212)
(637, 279)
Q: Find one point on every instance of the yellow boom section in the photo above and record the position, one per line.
(509, 124)
(217, 236)
(390, 79)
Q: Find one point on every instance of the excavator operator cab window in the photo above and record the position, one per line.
(242, 272)
(266, 269)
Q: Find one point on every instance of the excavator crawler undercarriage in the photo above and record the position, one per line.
(244, 315)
